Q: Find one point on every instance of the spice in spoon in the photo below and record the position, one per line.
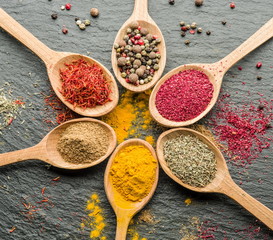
(83, 142)
(138, 55)
(191, 160)
(84, 85)
(133, 172)
(184, 96)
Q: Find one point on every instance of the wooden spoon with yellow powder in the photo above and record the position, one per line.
(130, 180)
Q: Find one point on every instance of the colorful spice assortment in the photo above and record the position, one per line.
(83, 142)
(133, 172)
(138, 55)
(95, 221)
(184, 96)
(84, 85)
(9, 109)
(191, 160)
(243, 129)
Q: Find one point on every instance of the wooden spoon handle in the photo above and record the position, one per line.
(122, 226)
(259, 210)
(141, 10)
(25, 37)
(35, 152)
(258, 38)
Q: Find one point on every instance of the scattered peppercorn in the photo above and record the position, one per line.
(259, 78)
(268, 125)
(198, 3)
(171, 2)
(54, 16)
(208, 32)
(64, 30)
(193, 25)
(182, 23)
(82, 26)
(240, 68)
(68, 6)
(224, 22)
(63, 7)
(76, 19)
(187, 42)
(199, 30)
(87, 22)
(232, 5)
(259, 65)
(184, 28)
(183, 34)
(94, 12)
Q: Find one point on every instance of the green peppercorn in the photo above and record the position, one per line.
(123, 75)
(146, 80)
(149, 62)
(129, 30)
(150, 78)
(182, 23)
(82, 26)
(87, 22)
(199, 30)
(158, 55)
(158, 40)
(132, 70)
(126, 38)
(193, 25)
(138, 55)
(136, 31)
(188, 26)
(156, 67)
(116, 45)
(144, 53)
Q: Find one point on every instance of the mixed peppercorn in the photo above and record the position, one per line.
(138, 55)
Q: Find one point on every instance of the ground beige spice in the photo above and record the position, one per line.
(83, 142)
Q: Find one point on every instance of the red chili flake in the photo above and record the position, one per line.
(68, 6)
(232, 5)
(184, 96)
(10, 120)
(19, 102)
(240, 68)
(84, 85)
(43, 190)
(56, 179)
(12, 230)
(259, 65)
(242, 129)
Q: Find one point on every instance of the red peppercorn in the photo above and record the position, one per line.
(155, 37)
(68, 6)
(184, 28)
(192, 31)
(139, 28)
(127, 80)
(132, 40)
(259, 65)
(240, 68)
(137, 37)
(232, 5)
(64, 30)
(141, 42)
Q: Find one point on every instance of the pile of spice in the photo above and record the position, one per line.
(191, 160)
(184, 96)
(133, 172)
(138, 55)
(243, 129)
(84, 85)
(83, 142)
(9, 109)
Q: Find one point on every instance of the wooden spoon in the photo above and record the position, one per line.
(141, 15)
(125, 210)
(222, 182)
(47, 151)
(214, 71)
(54, 61)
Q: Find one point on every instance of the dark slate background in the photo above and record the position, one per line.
(27, 75)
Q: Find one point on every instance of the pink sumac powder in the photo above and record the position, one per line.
(184, 96)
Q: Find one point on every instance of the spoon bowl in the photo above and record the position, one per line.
(141, 15)
(123, 209)
(222, 183)
(47, 151)
(215, 73)
(55, 61)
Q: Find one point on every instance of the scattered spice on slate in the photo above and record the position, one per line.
(232, 5)
(224, 22)
(83, 142)
(198, 3)
(84, 85)
(68, 6)
(62, 7)
(171, 2)
(191, 160)
(187, 42)
(243, 129)
(94, 12)
(208, 32)
(199, 30)
(184, 96)
(259, 65)
(9, 109)
(138, 55)
(259, 78)
(54, 16)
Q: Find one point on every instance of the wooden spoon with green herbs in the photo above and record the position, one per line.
(47, 151)
(222, 183)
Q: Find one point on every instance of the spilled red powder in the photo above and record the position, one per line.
(243, 129)
(184, 96)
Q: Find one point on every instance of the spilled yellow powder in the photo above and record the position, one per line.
(188, 201)
(95, 220)
(131, 116)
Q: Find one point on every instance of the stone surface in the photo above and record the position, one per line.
(23, 70)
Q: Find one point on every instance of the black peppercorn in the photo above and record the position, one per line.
(208, 32)
(54, 16)
(171, 2)
(259, 78)
(198, 3)
(183, 34)
(76, 19)
(224, 22)
(260, 107)
(268, 125)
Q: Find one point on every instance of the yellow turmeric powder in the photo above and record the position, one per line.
(133, 172)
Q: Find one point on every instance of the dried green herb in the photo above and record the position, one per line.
(191, 160)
